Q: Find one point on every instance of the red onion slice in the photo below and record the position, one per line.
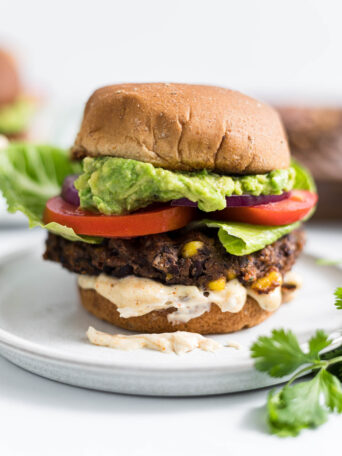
(69, 192)
(250, 200)
(238, 200)
(183, 202)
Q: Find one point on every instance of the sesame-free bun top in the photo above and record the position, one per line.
(183, 127)
(9, 79)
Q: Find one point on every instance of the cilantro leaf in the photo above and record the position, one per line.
(296, 407)
(326, 262)
(305, 404)
(338, 298)
(317, 343)
(332, 391)
(281, 353)
(335, 369)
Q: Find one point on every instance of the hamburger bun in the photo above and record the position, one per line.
(183, 127)
(9, 79)
(213, 322)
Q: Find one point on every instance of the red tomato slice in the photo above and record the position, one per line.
(289, 210)
(148, 221)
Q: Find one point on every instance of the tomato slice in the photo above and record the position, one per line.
(289, 210)
(158, 219)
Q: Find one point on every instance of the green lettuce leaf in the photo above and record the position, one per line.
(303, 179)
(32, 174)
(14, 117)
(242, 238)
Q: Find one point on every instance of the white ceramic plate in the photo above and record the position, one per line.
(7, 219)
(43, 330)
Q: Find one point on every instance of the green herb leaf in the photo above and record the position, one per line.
(338, 298)
(332, 391)
(327, 262)
(280, 354)
(296, 407)
(335, 369)
(317, 343)
(305, 404)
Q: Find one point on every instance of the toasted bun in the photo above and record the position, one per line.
(213, 322)
(9, 79)
(183, 127)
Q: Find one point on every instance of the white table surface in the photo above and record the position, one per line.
(42, 417)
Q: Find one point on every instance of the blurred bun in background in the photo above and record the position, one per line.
(9, 78)
(315, 138)
(16, 106)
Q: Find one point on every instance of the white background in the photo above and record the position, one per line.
(268, 47)
(280, 50)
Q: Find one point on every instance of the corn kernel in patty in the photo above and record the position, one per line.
(191, 248)
(271, 280)
(217, 285)
(231, 274)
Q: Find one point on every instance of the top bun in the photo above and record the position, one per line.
(183, 127)
(9, 80)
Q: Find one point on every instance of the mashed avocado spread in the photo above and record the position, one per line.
(117, 185)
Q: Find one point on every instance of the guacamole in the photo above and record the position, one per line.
(117, 185)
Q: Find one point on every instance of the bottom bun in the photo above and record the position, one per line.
(213, 322)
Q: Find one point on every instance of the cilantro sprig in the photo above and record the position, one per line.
(338, 298)
(328, 262)
(303, 404)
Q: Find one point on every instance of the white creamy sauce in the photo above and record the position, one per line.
(293, 279)
(178, 342)
(136, 296)
(235, 345)
(267, 301)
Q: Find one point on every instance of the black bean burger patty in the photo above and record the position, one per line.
(165, 257)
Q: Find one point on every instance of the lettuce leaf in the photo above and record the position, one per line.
(242, 239)
(303, 179)
(15, 117)
(32, 174)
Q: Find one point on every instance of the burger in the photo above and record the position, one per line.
(179, 207)
(16, 109)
